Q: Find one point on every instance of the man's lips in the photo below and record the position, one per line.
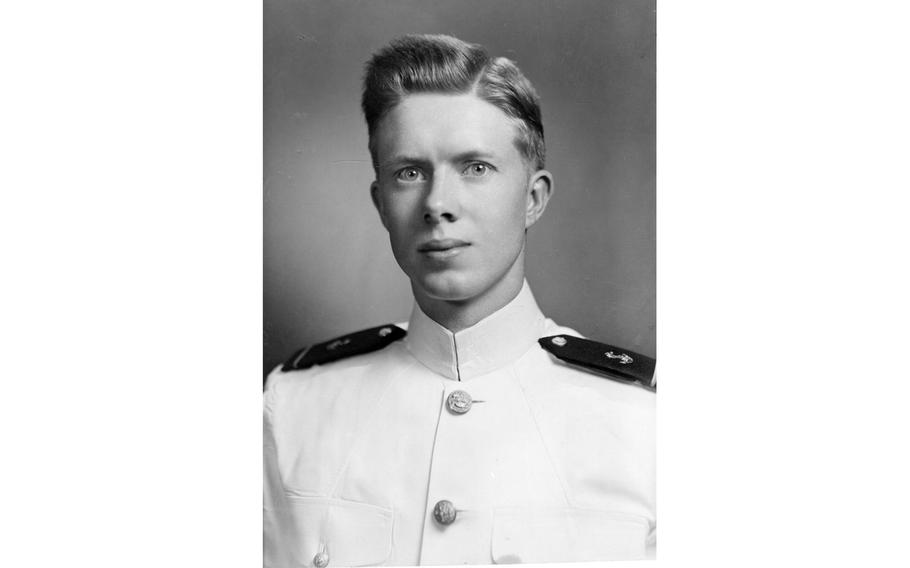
(442, 245)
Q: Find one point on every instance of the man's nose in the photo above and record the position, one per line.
(441, 203)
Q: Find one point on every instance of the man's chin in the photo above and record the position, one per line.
(446, 287)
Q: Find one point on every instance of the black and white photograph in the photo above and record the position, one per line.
(459, 280)
(331, 283)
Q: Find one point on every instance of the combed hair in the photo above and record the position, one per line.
(444, 64)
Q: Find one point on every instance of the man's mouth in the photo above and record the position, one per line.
(442, 248)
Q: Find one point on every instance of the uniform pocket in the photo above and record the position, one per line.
(567, 535)
(348, 533)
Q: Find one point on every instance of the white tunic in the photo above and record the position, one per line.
(551, 463)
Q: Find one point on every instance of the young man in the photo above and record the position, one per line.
(480, 432)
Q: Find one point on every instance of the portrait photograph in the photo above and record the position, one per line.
(459, 282)
(459, 242)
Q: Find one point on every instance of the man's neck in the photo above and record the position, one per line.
(462, 314)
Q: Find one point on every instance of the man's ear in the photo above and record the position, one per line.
(540, 188)
(377, 202)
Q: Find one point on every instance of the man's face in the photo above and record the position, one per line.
(455, 194)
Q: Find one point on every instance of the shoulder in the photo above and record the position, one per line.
(343, 347)
(582, 399)
(568, 348)
(337, 353)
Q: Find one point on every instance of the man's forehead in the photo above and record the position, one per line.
(447, 122)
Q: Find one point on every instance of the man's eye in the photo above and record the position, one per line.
(478, 169)
(409, 174)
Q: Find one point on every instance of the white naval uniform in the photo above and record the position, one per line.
(551, 463)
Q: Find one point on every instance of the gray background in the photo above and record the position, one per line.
(591, 258)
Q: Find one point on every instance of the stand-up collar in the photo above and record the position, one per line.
(494, 341)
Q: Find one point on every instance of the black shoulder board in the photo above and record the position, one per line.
(365, 341)
(617, 364)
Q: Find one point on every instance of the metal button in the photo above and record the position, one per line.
(558, 341)
(385, 331)
(459, 402)
(321, 560)
(444, 512)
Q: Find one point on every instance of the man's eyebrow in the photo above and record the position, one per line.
(466, 156)
(402, 159)
(475, 155)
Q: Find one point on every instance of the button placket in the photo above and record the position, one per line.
(451, 516)
(458, 402)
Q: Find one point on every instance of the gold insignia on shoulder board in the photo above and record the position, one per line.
(623, 358)
(338, 343)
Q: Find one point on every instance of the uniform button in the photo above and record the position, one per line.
(558, 341)
(459, 402)
(444, 512)
(321, 560)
